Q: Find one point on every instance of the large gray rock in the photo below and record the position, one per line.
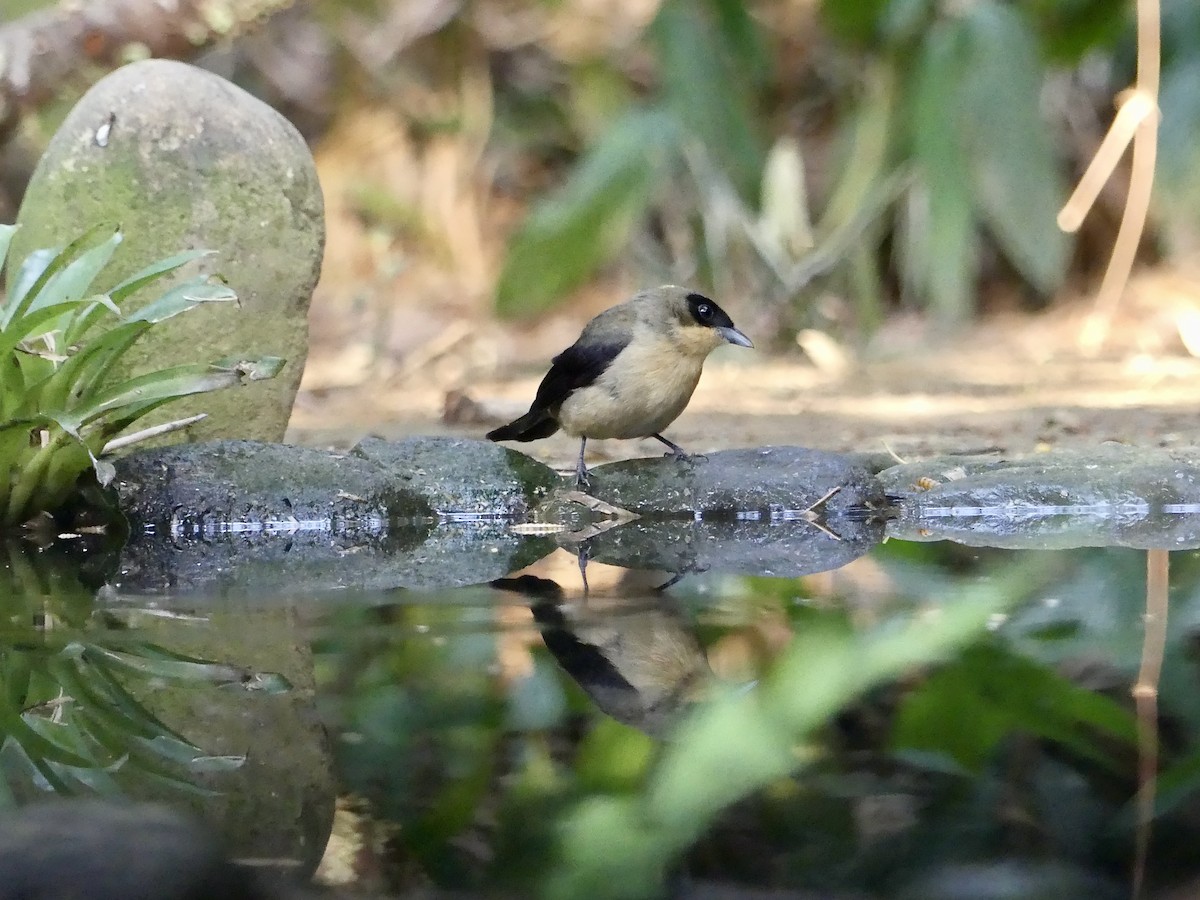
(181, 159)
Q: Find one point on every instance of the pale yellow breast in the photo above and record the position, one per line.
(642, 392)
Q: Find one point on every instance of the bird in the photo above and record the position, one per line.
(630, 373)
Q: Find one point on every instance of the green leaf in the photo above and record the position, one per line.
(742, 741)
(183, 297)
(703, 83)
(6, 236)
(71, 283)
(25, 327)
(77, 379)
(854, 21)
(743, 40)
(171, 667)
(38, 766)
(938, 233)
(151, 388)
(155, 271)
(1013, 167)
(130, 707)
(1000, 693)
(82, 682)
(31, 270)
(21, 727)
(35, 272)
(261, 368)
(1069, 29)
(83, 322)
(585, 222)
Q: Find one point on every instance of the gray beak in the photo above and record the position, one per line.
(735, 337)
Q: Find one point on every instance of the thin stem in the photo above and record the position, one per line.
(32, 477)
(1145, 695)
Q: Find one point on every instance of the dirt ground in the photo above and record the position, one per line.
(1014, 384)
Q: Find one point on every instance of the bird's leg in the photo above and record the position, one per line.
(583, 561)
(581, 472)
(677, 451)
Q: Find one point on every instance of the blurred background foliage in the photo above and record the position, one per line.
(819, 164)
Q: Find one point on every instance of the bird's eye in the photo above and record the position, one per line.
(704, 311)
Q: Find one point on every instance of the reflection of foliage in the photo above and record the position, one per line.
(62, 342)
(422, 727)
(963, 706)
(69, 718)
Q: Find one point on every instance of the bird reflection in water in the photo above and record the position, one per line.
(640, 663)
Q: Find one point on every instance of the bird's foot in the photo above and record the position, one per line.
(683, 456)
(675, 451)
(582, 480)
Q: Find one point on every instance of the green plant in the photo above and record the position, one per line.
(61, 345)
(941, 142)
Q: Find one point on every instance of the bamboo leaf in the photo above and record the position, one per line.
(1011, 159)
(938, 240)
(585, 222)
(704, 85)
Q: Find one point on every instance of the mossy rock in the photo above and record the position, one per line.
(181, 159)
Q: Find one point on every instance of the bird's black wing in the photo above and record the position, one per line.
(576, 367)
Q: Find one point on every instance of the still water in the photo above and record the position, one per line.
(925, 720)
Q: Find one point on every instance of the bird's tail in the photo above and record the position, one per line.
(534, 425)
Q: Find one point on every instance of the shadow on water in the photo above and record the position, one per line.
(598, 706)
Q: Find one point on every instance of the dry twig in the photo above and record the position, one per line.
(1137, 119)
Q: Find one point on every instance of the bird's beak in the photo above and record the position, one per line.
(735, 337)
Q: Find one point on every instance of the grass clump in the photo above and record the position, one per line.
(63, 394)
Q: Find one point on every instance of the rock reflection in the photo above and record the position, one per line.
(212, 709)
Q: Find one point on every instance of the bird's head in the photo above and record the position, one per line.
(696, 324)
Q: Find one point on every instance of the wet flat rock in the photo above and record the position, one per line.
(767, 481)
(462, 477)
(250, 486)
(1110, 496)
(240, 483)
(274, 519)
